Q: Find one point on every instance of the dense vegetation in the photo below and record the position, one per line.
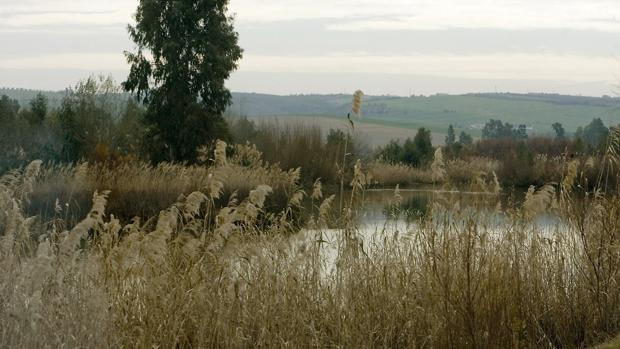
(96, 122)
(143, 215)
(230, 251)
(467, 113)
(218, 271)
(93, 122)
(193, 48)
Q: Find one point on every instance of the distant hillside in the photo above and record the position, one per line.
(466, 112)
(24, 96)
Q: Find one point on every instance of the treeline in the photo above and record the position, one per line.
(92, 122)
(517, 158)
(97, 122)
(528, 160)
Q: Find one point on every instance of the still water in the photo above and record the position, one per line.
(379, 215)
(378, 206)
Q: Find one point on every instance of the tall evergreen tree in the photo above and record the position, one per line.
(451, 136)
(38, 109)
(423, 147)
(194, 48)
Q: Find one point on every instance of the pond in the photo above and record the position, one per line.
(376, 220)
(378, 206)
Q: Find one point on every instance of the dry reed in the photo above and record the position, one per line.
(198, 275)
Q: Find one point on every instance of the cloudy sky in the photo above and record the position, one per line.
(325, 46)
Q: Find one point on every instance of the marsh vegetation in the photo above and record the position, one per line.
(230, 263)
(147, 215)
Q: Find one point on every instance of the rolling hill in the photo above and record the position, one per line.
(386, 117)
(465, 112)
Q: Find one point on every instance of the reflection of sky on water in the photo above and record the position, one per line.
(378, 223)
(379, 205)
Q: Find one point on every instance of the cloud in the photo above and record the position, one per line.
(402, 84)
(489, 66)
(282, 38)
(361, 15)
(81, 61)
(400, 23)
(50, 15)
(573, 41)
(49, 20)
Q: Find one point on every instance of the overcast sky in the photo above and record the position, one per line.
(325, 46)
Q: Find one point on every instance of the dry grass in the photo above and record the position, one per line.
(282, 144)
(198, 275)
(143, 190)
(474, 174)
(390, 175)
(613, 344)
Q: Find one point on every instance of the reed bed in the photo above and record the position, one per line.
(139, 189)
(473, 174)
(201, 275)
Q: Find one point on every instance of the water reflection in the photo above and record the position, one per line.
(384, 218)
(377, 206)
(413, 204)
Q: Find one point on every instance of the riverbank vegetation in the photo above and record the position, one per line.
(212, 270)
(140, 216)
(95, 124)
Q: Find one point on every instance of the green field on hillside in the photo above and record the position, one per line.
(386, 114)
(466, 112)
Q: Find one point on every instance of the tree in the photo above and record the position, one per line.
(495, 129)
(423, 146)
(465, 139)
(595, 133)
(560, 133)
(451, 137)
(38, 109)
(194, 49)
(129, 135)
(520, 132)
(8, 110)
(85, 118)
(392, 152)
(9, 149)
(419, 150)
(409, 153)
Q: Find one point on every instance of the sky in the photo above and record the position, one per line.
(393, 47)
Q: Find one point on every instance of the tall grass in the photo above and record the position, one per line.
(301, 145)
(476, 174)
(143, 190)
(200, 275)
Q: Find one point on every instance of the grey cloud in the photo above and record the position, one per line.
(69, 40)
(20, 13)
(287, 83)
(613, 20)
(311, 37)
(402, 84)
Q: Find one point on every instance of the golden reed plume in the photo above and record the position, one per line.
(357, 102)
